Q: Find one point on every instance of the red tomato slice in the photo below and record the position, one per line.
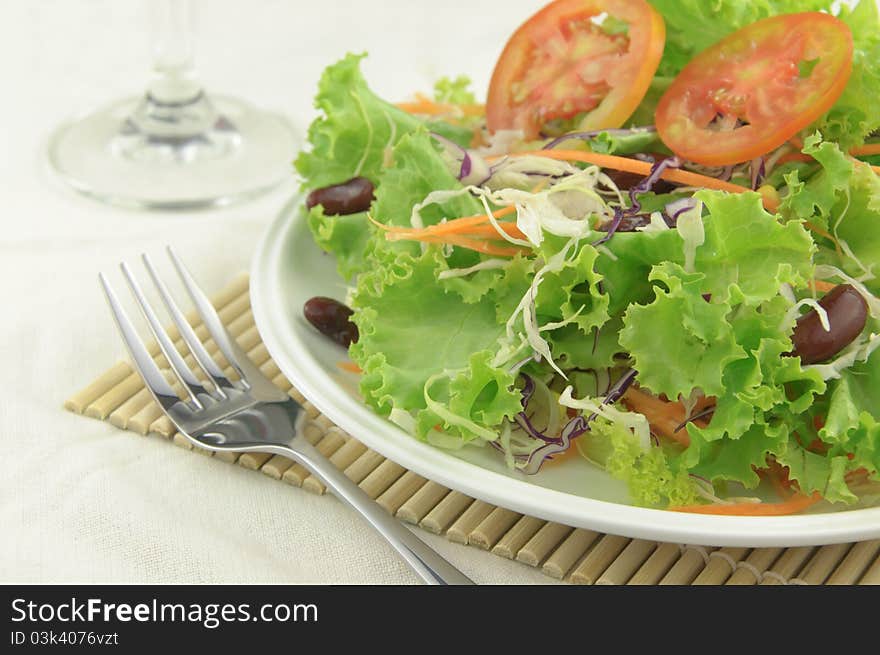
(755, 89)
(565, 62)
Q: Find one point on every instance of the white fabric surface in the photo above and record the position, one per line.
(81, 501)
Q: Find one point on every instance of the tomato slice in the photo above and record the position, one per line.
(755, 89)
(586, 61)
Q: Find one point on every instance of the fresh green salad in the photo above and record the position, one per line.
(654, 246)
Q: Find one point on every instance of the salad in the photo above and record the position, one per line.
(653, 247)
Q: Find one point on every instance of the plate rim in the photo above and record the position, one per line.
(500, 490)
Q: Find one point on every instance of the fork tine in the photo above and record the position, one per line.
(181, 368)
(228, 346)
(204, 360)
(143, 361)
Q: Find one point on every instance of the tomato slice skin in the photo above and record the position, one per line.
(756, 88)
(560, 64)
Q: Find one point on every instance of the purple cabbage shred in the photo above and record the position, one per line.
(571, 430)
(635, 206)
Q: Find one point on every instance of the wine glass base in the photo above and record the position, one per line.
(240, 153)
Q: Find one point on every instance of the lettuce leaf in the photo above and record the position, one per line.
(856, 114)
(397, 353)
(455, 91)
(841, 198)
(345, 236)
(409, 171)
(652, 481)
(851, 431)
(687, 335)
(748, 254)
(413, 331)
(356, 131)
(679, 341)
(574, 294)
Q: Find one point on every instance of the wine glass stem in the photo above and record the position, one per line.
(174, 78)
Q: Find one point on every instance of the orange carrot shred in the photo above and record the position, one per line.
(351, 367)
(636, 166)
(427, 107)
(794, 156)
(823, 233)
(460, 232)
(453, 226)
(664, 416)
(822, 285)
(867, 149)
(793, 505)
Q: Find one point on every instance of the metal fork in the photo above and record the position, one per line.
(249, 414)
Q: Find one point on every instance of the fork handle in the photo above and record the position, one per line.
(426, 562)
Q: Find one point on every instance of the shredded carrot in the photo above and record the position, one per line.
(793, 505)
(485, 247)
(489, 231)
(456, 225)
(867, 149)
(665, 417)
(794, 156)
(351, 367)
(460, 232)
(638, 167)
(821, 285)
(427, 107)
(459, 224)
(477, 231)
(823, 233)
(876, 169)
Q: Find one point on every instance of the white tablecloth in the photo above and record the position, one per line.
(81, 501)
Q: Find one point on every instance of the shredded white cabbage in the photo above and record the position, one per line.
(480, 171)
(504, 441)
(787, 292)
(451, 418)
(486, 265)
(526, 308)
(605, 250)
(555, 326)
(858, 351)
(494, 222)
(402, 419)
(554, 424)
(520, 172)
(634, 421)
(509, 350)
(792, 314)
(690, 226)
(499, 142)
(433, 198)
(657, 224)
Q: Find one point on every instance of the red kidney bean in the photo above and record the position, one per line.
(847, 314)
(331, 318)
(347, 198)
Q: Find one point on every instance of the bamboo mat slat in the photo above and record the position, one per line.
(576, 555)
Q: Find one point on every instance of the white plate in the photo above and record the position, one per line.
(289, 268)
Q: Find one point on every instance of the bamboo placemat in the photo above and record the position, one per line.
(573, 554)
